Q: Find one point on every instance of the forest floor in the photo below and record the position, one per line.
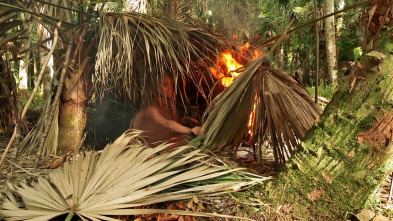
(245, 204)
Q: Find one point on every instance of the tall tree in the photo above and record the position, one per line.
(330, 39)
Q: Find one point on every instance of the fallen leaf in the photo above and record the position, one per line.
(371, 13)
(195, 198)
(69, 197)
(189, 204)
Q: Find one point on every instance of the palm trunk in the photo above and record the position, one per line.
(330, 37)
(72, 110)
(72, 122)
(348, 154)
(72, 113)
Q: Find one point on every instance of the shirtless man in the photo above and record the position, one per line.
(160, 123)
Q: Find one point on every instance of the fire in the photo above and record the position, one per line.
(228, 65)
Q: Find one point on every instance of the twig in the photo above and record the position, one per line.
(49, 120)
(282, 36)
(37, 84)
(20, 167)
(9, 38)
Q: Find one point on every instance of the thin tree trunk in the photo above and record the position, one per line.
(316, 77)
(48, 74)
(24, 62)
(330, 38)
(279, 58)
(339, 23)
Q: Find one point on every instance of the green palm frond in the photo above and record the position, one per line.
(137, 51)
(125, 175)
(283, 111)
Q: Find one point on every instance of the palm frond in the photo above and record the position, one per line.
(125, 175)
(137, 51)
(283, 111)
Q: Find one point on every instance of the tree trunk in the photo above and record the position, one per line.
(72, 122)
(279, 58)
(24, 62)
(346, 156)
(72, 113)
(330, 35)
(339, 25)
(72, 110)
(48, 74)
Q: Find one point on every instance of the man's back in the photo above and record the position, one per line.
(154, 130)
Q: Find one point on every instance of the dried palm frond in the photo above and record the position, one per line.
(125, 175)
(137, 51)
(279, 108)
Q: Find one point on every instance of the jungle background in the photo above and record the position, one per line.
(74, 73)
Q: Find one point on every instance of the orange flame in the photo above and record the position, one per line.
(227, 65)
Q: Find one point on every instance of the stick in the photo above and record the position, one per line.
(20, 168)
(27, 105)
(49, 120)
(282, 36)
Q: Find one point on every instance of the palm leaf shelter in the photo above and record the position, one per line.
(137, 52)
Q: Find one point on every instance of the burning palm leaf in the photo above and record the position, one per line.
(124, 176)
(272, 102)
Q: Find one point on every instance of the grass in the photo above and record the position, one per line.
(323, 91)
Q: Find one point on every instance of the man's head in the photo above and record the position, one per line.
(166, 88)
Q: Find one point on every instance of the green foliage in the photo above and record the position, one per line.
(323, 91)
(357, 53)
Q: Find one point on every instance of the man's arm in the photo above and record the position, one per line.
(172, 125)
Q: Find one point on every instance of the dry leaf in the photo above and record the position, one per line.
(181, 205)
(55, 163)
(189, 204)
(371, 13)
(169, 217)
(195, 198)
